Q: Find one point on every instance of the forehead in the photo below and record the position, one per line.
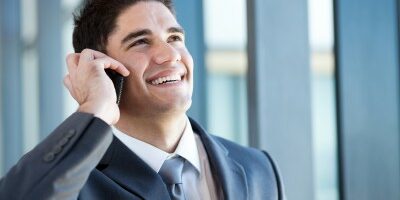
(146, 15)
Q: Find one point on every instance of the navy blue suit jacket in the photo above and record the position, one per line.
(82, 160)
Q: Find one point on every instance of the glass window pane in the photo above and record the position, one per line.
(30, 70)
(226, 60)
(1, 99)
(323, 99)
(68, 7)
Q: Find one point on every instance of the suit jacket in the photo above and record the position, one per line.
(82, 160)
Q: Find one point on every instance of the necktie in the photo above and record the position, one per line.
(171, 173)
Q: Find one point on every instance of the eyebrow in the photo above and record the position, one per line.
(176, 30)
(135, 34)
(143, 32)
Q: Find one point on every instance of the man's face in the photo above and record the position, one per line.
(150, 43)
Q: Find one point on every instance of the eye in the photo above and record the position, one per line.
(139, 42)
(175, 38)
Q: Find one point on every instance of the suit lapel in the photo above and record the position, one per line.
(132, 173)
(230, 174)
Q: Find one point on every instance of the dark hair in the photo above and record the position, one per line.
(96, 20)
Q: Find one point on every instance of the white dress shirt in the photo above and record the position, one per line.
(197, 179)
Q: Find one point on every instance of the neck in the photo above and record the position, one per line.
(161, 131)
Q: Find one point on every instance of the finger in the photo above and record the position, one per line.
(67, 83)
(72, 61)
(87, 55)
(109, 63)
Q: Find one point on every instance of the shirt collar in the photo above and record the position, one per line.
(187, 147)
(155, 157)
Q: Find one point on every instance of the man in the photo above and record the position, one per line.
(155, 142)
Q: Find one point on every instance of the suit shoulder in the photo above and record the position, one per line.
(258, 165)
(246, 155)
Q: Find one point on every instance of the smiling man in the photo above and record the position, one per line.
(146, 147)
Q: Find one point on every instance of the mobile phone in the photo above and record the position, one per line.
(118, 81)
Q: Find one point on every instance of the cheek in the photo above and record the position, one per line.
(187, 59)
(136, 64)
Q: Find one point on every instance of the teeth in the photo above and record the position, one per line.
(161, 80)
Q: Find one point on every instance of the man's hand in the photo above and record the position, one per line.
(90, 86)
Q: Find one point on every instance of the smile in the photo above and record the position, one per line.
(167, 79)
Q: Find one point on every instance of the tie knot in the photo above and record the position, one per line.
(171, 170)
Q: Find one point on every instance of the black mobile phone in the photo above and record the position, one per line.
(118, 81)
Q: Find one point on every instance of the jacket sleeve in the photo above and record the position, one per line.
(58, 167)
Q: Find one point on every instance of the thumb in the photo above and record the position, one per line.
(68, 85)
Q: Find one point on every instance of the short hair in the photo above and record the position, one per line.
(96, 20)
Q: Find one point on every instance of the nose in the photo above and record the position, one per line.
(165, 52)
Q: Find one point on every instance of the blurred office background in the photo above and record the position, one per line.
(313, 82)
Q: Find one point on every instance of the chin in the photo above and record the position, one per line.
(171, 104)
(176, 106)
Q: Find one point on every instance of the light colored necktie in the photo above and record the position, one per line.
(171, 173)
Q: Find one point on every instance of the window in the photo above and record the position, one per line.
(323, 99)
(226, 60)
